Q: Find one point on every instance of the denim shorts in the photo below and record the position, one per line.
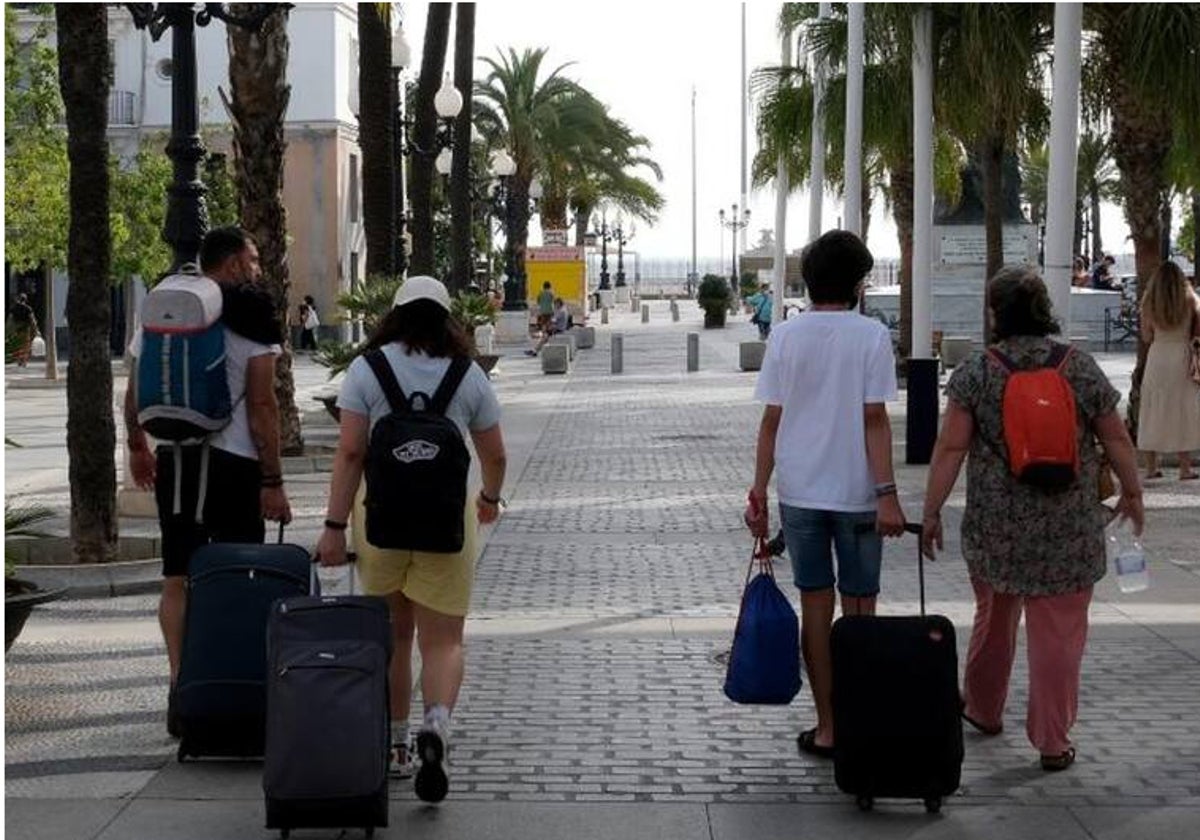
(812, 535)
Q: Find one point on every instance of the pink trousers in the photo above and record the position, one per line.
(1056, 630)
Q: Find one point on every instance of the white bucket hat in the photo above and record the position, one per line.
(422, 287)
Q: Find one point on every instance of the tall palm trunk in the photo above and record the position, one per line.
(901, 192)
(1141, 141)
(84, 74)
(376, 136)
(553, 209)
(992, 162)
(516, 231)
(1196, 238)
(258, 80)
(461, 227)
(583, 215)
(1094, 200)
(433, 61)
(1077, 233)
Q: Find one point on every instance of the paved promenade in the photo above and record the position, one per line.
(605, 601)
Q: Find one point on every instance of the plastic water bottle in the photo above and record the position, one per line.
(1128, 558)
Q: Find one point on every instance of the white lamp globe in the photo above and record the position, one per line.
(448, 102)
(502, 163)
(401, 51)
(535, 189)
(444, 161)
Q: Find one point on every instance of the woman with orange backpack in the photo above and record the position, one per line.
(1027, 412)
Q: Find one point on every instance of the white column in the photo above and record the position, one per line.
(922, 250)
(854, 118)
(781, 200)
(745, 94)
(816, 180)
(1064, 150)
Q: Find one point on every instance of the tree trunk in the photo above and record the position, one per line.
(1141, 140)
(50, 320)
(461, 218)
(992, 160)
(433, 61)
(516, 232)
(376, 137)
(1077, 235)
(867, 194)
(553, 209)
(583, 215)
(1196, 238)
(258, 81)
(84, 76)
(1097, 240)
(901, 190)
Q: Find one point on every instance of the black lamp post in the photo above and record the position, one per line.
(735, 224)
(187, 213)
(605, 233)
(622, 238)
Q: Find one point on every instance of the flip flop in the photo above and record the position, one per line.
(807, 742)
(1155, 474)
(1056, 763)
(979, 727)
(1189, 477)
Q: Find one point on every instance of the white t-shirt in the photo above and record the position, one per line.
(234, 438)
(473, 407)
(822, 368)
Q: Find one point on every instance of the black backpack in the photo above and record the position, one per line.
(416, 467)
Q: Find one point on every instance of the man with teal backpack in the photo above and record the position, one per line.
(203, 386)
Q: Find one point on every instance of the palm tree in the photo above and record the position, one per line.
(1146, 72)
(258, 81)
(461, 217)
(376, 136)
(85, 74)
(1097, 181)
(526, 116)
(433, 61)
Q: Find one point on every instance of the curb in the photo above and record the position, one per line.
(106, 580)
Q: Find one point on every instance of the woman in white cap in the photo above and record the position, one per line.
(428, 593)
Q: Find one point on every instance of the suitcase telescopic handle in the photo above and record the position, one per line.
(909, 528)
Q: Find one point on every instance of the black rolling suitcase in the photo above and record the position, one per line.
(221, 693)
(328, 721)
(897, 731)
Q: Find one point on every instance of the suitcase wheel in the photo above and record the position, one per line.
(181, 754)
(865, 803)
(283, 833)
(933, 804)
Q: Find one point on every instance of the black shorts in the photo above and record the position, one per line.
(232, 510)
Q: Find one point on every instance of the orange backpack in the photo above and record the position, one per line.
(1040, 426)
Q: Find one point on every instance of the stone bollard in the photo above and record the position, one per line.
(750, 354)
(955, 348)
(555, 358)
(604, 315)
(675, 312)
(567, 340)
(585, 337)
(485, 338)
(633, 304)
(693, 352)
(618, 353)
(645, 313)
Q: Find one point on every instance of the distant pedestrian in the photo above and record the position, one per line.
(24, 328)
(826, 379)
(545, 305)
(1169, 410)
(308, 324)
(1079, 273)
(1028, 548)
(560, 322)
(761, 305)
(1103, 274)
(429, 592)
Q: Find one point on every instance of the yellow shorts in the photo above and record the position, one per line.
(441, 582)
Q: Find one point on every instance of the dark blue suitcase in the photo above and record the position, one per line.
(220, 696)
(328, 716)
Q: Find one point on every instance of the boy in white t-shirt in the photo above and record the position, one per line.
(825, 382)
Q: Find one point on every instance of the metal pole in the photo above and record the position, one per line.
(854, 118)
(817, 179)
(733, 278)
(742, 172)
(1064, 145)
(781, 199)
(187, 214)
(692, 277)
(397, 166)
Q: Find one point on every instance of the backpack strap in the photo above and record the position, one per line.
(387, 381)
(1059, 353)
(1002, 359)
(459, 366)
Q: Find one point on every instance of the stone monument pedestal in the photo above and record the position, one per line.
(512, 327)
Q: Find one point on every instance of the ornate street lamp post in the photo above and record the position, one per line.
(735, 224)
(187, 214)
(605, 233)
(619, 233)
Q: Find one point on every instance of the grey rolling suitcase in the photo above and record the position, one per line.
(328, 721)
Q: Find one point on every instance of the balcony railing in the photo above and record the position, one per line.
(121, 107)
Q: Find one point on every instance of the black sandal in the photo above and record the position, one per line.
(1055, 763)
(980, 728)
(807, 742)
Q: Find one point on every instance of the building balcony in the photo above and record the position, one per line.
(122, 108)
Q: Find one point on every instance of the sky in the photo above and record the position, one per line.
(643, 59)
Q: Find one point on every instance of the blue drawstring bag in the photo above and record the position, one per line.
(764, 665)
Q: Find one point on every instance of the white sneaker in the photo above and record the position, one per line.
(432, 780)
(400, 762)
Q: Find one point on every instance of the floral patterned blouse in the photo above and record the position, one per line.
(1017, 538)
